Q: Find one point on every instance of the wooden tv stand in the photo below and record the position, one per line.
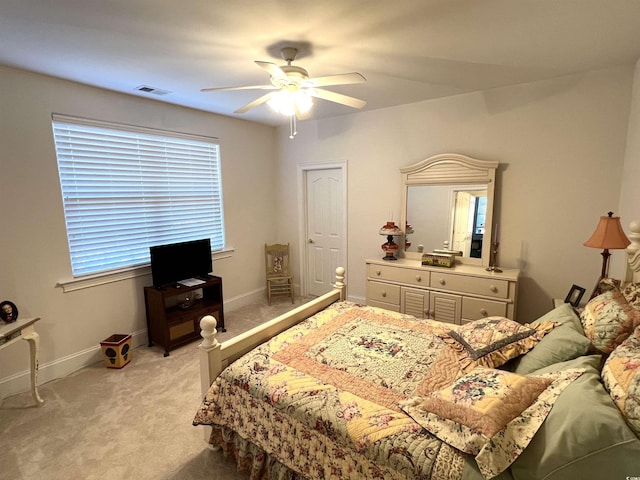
(173, 321)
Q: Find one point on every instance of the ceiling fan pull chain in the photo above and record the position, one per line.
(293, 131)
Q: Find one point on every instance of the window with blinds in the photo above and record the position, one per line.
(126, 188)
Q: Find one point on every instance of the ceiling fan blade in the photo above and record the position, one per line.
(273, 70)
(256, 102)
(336, 97)
(341, 79)
(248, 87)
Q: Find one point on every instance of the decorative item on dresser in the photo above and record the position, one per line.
(608, 235)
(390, 229)
(493, 259)
(458, 295)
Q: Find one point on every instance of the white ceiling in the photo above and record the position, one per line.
(409, 50)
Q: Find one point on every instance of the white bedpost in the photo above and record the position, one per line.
(210, 358)
(633, 253)
(339, 285)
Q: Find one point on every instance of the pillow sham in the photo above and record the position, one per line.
(621, 378)
(608, 320)
(493, 341)
(584, 436)
(631, 292)
(606, 284)
(565, 342)
(492, 414)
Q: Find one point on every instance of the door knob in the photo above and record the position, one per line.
(310, 241)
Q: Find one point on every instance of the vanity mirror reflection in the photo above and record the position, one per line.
(448, 202)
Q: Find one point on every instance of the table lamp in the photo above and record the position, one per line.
(390, 229)
(608, 235)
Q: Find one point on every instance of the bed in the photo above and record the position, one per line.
(339, 390)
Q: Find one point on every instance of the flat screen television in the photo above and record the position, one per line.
(174, 262)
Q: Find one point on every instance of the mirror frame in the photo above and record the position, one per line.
(452, 169)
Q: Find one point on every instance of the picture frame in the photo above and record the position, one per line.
(8, 311)
(574, 296)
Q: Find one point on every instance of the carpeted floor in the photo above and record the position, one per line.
(102, 423)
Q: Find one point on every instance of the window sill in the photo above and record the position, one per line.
(110, 277)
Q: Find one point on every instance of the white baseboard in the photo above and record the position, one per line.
(231, 304)
(358, 300)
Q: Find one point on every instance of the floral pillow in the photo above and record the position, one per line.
(621, 378)
(492, 414)
(608, 320)
(631, 292)
(493, 341)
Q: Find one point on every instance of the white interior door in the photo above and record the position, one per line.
(325, 225)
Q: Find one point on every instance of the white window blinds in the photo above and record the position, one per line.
(125, 189)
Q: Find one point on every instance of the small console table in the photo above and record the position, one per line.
(24, 329)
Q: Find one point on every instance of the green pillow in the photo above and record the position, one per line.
(584, 435)
(565, 342)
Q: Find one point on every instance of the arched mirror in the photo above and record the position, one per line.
(448, 204)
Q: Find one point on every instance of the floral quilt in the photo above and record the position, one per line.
(323, 398)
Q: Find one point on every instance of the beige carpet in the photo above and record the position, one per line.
(102, 423)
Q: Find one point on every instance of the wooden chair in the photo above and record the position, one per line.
(279, 278)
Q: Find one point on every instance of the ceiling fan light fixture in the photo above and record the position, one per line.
(290, 101)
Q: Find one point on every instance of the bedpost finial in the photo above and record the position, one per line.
(208, 331)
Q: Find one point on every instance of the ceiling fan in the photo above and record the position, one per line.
(293, 89)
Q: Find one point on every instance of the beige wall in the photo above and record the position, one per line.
(560, 144)
(34, 247)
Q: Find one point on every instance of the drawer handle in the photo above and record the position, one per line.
(493, 288)
(418, 278)
(384, 294)
(378, 272)
(483, 311)
(442, 281)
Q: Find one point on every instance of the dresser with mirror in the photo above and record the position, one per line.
(447, 205)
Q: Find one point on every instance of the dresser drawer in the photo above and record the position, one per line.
(476, 308)
(408, 276)
(488, 287)
(383, 292)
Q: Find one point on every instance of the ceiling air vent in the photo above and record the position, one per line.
(155, 91)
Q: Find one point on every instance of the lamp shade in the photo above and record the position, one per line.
(608, 234)
(390, 228)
